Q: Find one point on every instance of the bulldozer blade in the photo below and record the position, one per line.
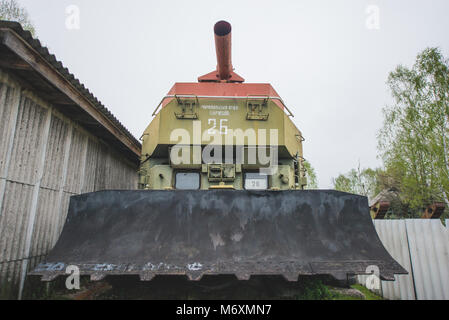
(219, 232)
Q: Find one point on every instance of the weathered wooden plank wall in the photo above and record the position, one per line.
(44, 159)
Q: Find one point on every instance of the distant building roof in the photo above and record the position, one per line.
(389, 195)
(33, 65)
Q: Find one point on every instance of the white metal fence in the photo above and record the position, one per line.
(421, 246)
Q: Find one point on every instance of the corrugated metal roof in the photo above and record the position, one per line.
(51, 59)
(385, 195)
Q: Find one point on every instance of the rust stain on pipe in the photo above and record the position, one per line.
(222, 32)
(223, 47)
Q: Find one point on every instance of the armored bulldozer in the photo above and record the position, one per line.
(222, 192)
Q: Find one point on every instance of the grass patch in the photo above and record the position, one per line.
(314, 290)
(308, 288)
(355, 292)
(368, 294)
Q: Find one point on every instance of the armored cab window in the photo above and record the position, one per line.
(256, 181)
(187, 181)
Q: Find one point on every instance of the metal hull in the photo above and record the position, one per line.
(220, 232)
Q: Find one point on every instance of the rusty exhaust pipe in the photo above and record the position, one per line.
(225, 71)
(222, 32)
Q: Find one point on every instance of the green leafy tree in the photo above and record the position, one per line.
(10, 10)
(414, 140)
(363, 182)
(312, 181)
(370, 182)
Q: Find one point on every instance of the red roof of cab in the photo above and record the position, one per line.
(224, 89)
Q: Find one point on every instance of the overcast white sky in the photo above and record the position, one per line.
(329, 68)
